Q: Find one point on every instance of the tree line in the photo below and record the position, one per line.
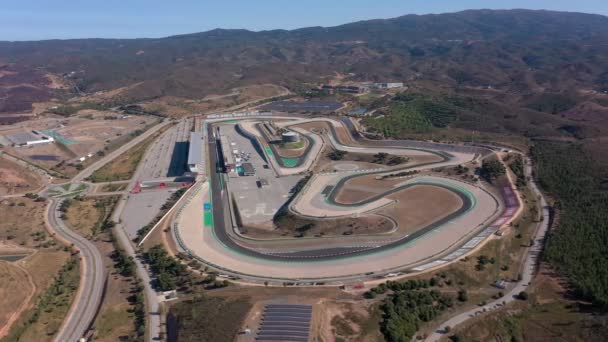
(578, 246)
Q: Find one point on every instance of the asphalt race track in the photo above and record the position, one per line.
(221, 215)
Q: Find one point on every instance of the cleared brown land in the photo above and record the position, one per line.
(92, 130)
(415, 207)
(16, 179)
(293, 226)
(45, 319)
(313, 126)
(361, 188)
(16, 290)
(178, 107)
(421, 205)
(22, 225)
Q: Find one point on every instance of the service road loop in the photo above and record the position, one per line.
(215, 246)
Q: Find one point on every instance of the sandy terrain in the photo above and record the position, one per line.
(16, 179)
(13, 302)
(421, 205)
(232, 98)
(22, 230)
(87, 132)
(370, 224)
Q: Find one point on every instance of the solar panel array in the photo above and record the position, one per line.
(285, 322)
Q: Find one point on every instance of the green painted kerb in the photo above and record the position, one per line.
(290, 162)
(269, 151)
(208, 219)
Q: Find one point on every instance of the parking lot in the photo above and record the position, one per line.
(168, 155)
(257, 203)
(141, 208)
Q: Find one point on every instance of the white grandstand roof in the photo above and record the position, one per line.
(195, 152)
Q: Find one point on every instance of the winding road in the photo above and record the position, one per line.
(92, 282)
(527, 274)
(92, 278)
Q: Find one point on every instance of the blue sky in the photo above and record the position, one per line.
(49, 19)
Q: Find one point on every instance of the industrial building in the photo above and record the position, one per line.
(29, 138)
(195, 153)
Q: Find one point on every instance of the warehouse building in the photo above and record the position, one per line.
(29, 138)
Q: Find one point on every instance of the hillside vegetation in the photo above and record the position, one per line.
(579, 245)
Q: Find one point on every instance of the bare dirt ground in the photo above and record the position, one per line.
(56, 82)
(16, 179)
(300, 227)
(420, 206)
(44, 155)
(180, 107)
(16, 290)
(22, 223)
(87, 132)
(23, 232)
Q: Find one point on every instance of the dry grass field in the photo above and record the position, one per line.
(115, 320)
(415, 207)
(87, 215)
(16, 290)
(22, 228)
(421, 206)
(52, 304)
(123, 167)
(290, 226)
(178, 107)
(16, 179)
(22, 223)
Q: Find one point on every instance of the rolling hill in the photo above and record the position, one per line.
(517, 51)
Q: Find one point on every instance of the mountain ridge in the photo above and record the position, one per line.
(520, 51)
